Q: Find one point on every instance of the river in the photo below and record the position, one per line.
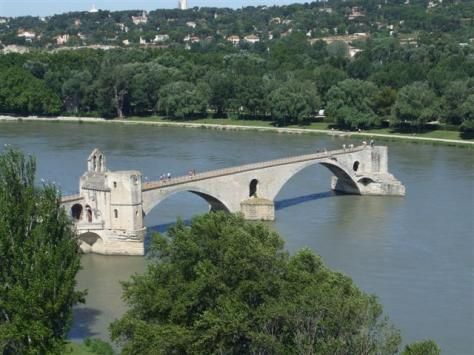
(415, 252)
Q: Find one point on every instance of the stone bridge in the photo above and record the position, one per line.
(110, 208)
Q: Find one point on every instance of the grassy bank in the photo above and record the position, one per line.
(322, 126)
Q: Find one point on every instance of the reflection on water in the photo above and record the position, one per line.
(416, 253)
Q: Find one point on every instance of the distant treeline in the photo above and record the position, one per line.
(406, 86)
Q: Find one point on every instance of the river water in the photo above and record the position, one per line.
(415, 252)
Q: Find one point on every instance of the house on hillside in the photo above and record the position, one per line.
(123, 27)
(27, 35)
(160, 38)
(61, 39)
(235, 40)
(251, 39)
(356, 12)
(191, 39)
(142, 19)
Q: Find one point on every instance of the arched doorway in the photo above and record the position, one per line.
(76, 212)
(355, 166)
(253, 188)
(89, 213)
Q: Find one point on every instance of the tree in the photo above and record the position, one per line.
(181, 99)
(326, 76)
(416, 105)
(22, 93)
(75, 91)
(467, 111)
(114, 88)
(293, 102)
(39, 256)
(222, 91)
(351, 104)
(455, 101)
(338, 49)
(224, 285)
(426, 347)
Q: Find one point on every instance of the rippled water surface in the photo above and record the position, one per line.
(416, 253)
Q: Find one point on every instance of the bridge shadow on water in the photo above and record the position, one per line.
(289, 202)
(279, 205)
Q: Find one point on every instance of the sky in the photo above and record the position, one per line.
(13, 8)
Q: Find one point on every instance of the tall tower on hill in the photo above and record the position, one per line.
(183, 4)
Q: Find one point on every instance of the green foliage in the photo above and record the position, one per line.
(416, 105)
(22, 93)
(351, 104)
(467, 113)
(426, 347)
(327, 76)
(182, 99)
(99, 347)
(224, 285)
(89, 347)
(40, 259)
(293, 102)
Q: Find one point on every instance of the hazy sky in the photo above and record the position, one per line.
(50, 7)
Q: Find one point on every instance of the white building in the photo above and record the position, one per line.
(93, 9)
(251, 39)
(27, 35)
(183, 4)
(62, 39)
(234, 39)
(161, 38)
(142, 19)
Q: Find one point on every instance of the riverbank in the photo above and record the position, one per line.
(240, 125)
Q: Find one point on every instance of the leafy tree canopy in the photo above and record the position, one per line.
(416, 105)
(224, 285)
(39, 257)
(351, 103)
(426, 347)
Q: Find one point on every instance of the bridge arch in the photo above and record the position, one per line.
(344, 176)
(153, 198)
(90, 242)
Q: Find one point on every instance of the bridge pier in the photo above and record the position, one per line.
(258, 209)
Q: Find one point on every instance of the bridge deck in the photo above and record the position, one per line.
(152, 185)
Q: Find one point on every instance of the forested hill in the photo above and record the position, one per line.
(209, 26)
(366, 63)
